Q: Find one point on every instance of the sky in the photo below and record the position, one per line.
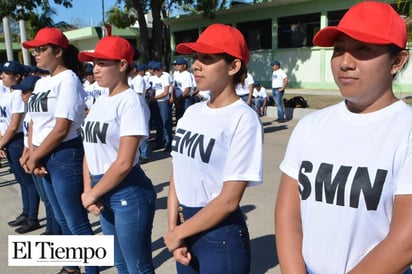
(83, 12)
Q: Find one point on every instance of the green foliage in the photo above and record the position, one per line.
(21, 9)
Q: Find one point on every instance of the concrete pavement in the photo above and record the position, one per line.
(257, 205)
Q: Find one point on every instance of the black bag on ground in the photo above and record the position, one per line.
(295, 102)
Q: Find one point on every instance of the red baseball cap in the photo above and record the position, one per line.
(218, 38)
(46, 36)
(369, 22)
(110, 48)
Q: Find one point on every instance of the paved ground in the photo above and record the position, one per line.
(257, 205)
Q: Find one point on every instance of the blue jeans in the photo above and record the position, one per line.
(52, 226)
(278, 98)
(257, 105)
(156, 121)
(128, 215)
(30, 197)
(64, 185)
(166, 115)
(224, 249)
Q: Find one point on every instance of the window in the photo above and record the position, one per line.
(335, 16)
(186, 36)
(258, 34)
(297, 31)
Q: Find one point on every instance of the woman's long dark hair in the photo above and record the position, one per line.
(71, 61)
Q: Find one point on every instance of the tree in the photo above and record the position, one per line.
(158, 48)
(21, 9)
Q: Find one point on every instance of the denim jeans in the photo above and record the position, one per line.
(128, 212)
(30, 197)
(52, 226)
(166, 115)
(257, 105)
(278, 98)
(224, 249)
(64, 185)
(156, 121)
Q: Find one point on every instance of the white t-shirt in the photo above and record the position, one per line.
(111, 117)
(349, 167)
(10, 103)
(158, 84)
(278, 76)
(182, 81)
(93, 92)
(138, 84)
(59, 96)
(215, 145)
(3, 89)
(260, 93)
(243, 89)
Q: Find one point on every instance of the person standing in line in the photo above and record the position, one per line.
(182, 84)
(279, 83)
(115, 185)
(346, 186)
(27, 87)
(244, 89)
(161, 83)
(57, 110)
(91, 88)
(139, 86)
(210, 175)
(12, 144)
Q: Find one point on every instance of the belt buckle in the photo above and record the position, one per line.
(181, 216)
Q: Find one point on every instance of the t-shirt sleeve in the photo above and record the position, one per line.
(291, 161)
(70, 100)
(245, 158)
(17, 104)
(134, 118)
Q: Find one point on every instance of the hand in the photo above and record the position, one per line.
(95, 209)
(40, 171)
(88, 198)
(182, 255)
(172, 241)
(3, 154)
(31, 164)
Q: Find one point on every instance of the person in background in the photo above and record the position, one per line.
(208, 180)
(115, 186)
(279, 83)
(161, 83)
(345, 192)
(244, 89)
(12, 144)
(260, 98)
(57, 110)
(27, 87)
(91, 88)
(182, 85)
(139, 86)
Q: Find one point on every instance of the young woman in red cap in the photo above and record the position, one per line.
(344, 203)
(115, 186)
(57, 109)
(217, 153)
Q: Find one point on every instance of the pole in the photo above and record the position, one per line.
(23, 37)
(7, 39)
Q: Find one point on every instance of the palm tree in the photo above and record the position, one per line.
(44, 19)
